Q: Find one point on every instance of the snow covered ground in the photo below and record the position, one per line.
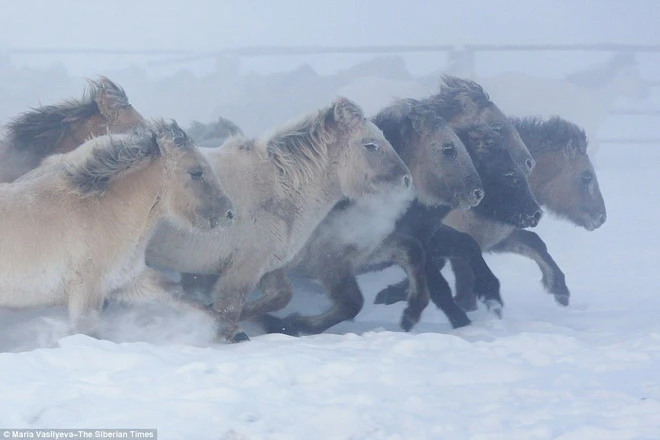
(589, 371)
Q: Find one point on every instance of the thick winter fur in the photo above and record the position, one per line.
(464, 103)
(60, 128)
(357, 236)
(74, 231)
(282, 188)
(503, 161)
(564, 181)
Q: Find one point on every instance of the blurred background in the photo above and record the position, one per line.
(261, 63)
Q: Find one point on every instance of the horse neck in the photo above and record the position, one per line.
(77, 132)
(312, 200)
(548, 166)
(137, 198)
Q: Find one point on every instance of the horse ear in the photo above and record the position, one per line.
(109, 97)
(571, 150)
(347, 113)
(466, 103)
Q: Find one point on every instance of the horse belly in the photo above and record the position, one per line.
(38, 288)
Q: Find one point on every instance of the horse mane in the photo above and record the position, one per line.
(108, 156)
(404, 117)
(453, 92)
(299, 150)
(480, 139)
(553, 134)
(214, 133)
(39, 130)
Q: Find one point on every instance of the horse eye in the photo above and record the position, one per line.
(449, 150)
(587, 177)
(497, 128)
(512, 177)
(196, 174)
(372, 146)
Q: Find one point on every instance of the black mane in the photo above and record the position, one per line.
(39, 130)
(553, 134)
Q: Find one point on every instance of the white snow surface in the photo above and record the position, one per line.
(588, 371)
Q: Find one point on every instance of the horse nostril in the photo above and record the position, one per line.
(531, 163)
(407, 181)
(602, 219)
(230, 215)
(536, 218)
(478, 195)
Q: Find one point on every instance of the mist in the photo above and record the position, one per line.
(192, 81)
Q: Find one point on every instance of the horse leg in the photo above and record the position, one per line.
(408, 253)
(447, 242)
(277, 293)
(347, 300)
(85, 304)
(529, 244)
(393, 293)
(464, 296)
(153, 286)
(230, 292)
(440, 293)
(198, 286)
(399, 292)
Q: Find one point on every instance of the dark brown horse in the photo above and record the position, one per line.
(564, 181)
(62, 127)
(493, 143)
(357, 235)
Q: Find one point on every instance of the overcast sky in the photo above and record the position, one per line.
(203, 25)
(210, 24)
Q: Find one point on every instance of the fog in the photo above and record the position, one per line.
(589, 370)
(192, 82)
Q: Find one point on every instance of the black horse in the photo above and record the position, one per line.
(508, 200)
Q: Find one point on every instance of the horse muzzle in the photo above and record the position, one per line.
(530, 220)
(222, 219)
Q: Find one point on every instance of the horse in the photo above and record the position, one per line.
(74, 230)
(493, 143)
(282, 187)
(563, 181)
(213, 134)
(464, 103)
(358, 235)
(60, 128)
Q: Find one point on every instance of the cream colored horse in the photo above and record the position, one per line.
(282, 188)
(74, 230)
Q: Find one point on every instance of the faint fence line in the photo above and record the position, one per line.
(173, 56)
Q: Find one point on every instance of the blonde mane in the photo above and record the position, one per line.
(107, 156)
(300, 149)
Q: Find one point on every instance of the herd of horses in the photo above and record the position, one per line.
(99, 204)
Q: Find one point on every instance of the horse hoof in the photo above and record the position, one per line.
(407, 323)
(563, 299)
(494, 306)
(389, 296)
(460, 321)
(239, 337)
(467, 304)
